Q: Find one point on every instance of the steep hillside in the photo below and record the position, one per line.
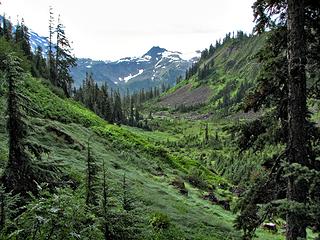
(231, 71)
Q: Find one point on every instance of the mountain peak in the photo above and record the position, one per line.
(154, 51)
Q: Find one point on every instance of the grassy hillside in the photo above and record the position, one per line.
(150, 160)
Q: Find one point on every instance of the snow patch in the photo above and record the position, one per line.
(126, 79)
(153, 76)
(145, 58)
(127, 59)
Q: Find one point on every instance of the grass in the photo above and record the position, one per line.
(150, 160)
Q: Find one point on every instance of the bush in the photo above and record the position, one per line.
(160, 221)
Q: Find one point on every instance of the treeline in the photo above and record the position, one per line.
(113, 106)
(205, 66)
(52, 64)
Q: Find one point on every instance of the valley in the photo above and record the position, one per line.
(219, 144)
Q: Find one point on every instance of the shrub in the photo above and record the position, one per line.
(160, 221)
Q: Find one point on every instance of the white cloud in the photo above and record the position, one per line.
(111, 29)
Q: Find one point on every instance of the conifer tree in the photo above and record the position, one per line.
(40, 63)
(51, 61)
(283, 85)
(92, 178)
(24, 40)
(297, 113)
(63, 60)
(211, 50)
(18, 176)
(105, 205)
(117, 109)
(131, 117)
(127, 201)
(137, 115)
(7, 28)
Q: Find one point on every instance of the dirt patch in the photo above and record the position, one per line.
(251, 115)
(186, 96)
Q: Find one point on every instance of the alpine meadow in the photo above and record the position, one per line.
(212, 144)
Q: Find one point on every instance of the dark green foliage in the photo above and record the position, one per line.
(111, 105)
(119, 223)
(25, 169)
(18, 176)
(127, 201)
(57, 216)
(40, 67)
(105, 205)
(60, 60)
(91, 178)
(20, 44)
(273, 91)
(8, 210)
(118, 115)
(205, 71)
(22, 39)
(192, 70)
(51, 58)
(6, 31)
(63, 60)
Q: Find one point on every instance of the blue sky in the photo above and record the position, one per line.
(111, 29)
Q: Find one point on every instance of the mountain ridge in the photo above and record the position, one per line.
(157, 66)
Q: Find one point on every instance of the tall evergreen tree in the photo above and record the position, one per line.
(7, 28)
(40, 63)
(105, 205)
(117, 109)
(51, 61)
(18, 176)
(64, 60)
(282, 84)
(25, 40)
(131, 116)
(92, 178)
(297, 112)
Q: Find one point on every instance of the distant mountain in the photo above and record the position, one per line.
(37, 40)
(156, 66)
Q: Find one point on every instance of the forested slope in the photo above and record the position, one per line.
(167, 187)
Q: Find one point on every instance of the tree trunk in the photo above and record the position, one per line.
(297, 109)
